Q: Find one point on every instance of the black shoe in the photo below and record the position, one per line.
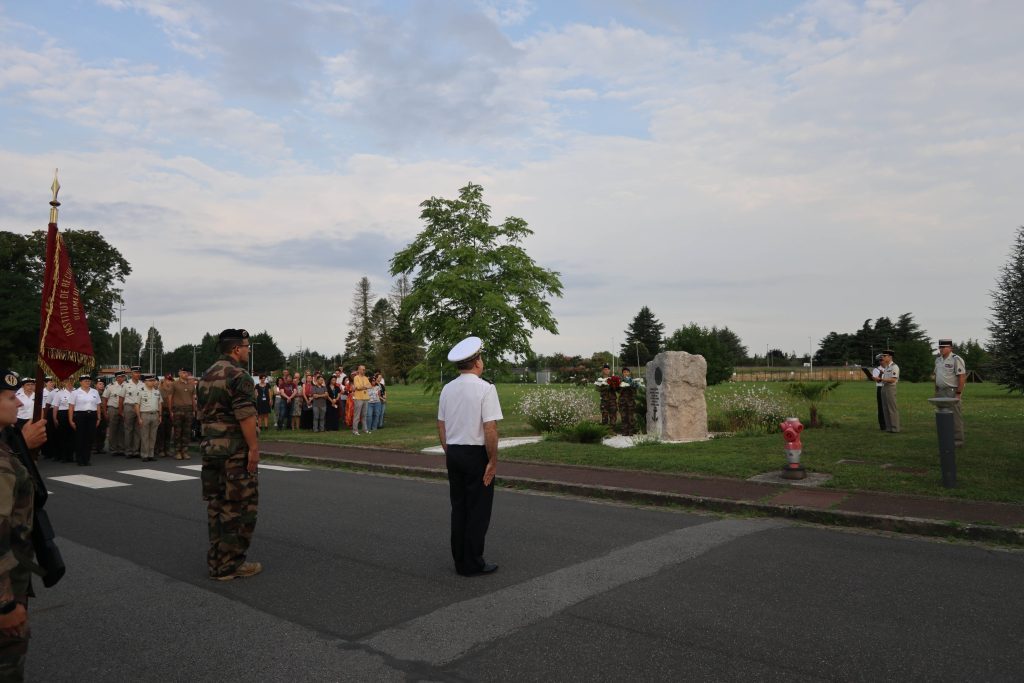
(488, 568)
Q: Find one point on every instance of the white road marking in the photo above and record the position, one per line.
(159, 475)
(88, 481)
(280, 468)
(450, 632)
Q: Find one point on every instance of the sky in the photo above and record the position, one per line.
(784, 169)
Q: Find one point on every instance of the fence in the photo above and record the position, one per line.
(848, 373)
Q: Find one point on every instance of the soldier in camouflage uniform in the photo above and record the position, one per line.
(183, 404)
(627, 401)
(16, 553)
(230, 450)
(608, 409)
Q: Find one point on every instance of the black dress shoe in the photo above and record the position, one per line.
(488, 568)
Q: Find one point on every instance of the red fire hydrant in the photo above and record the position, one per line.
(791, 429)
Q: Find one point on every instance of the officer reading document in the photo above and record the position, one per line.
(467, 423)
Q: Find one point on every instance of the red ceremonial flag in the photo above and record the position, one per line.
(65, 347)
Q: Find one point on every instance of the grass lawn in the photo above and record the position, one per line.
(989, 467)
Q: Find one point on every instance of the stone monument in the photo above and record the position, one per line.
(676, 409)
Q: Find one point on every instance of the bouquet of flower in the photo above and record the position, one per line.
(614, 382)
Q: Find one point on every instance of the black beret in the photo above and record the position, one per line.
(183, 370)
(888, 352)
(10, 381)
(606, 367)
(233, 335)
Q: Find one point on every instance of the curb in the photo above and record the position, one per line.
(890, 523)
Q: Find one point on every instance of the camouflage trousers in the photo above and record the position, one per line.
(13, 650)
(608, 408)
(182, 421)
(163, 435)
(232, 497)
(627, 409)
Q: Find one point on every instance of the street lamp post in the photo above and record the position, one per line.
(120, 333)
(194, 349)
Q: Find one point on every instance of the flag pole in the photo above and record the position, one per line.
(51, 233)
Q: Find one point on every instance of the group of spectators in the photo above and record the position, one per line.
(322, 403)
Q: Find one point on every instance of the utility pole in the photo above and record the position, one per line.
(120, 333)
(194, 349)
(149, 341)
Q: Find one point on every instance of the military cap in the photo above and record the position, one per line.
(888, 352)
(83, 377)
(945, 342)
(878, 356)
(28, 380)
(183, 370)
(121, 374)
(10, 381)
(136, 368)
(233, 335)
(148, 377)
(606, 367)
(465, 349)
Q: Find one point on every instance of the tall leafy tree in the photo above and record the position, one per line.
(703, 341)
(470, 277)
(266, 355)
(132, 346)
(99, 268)
(1007, 324)
(643, 338)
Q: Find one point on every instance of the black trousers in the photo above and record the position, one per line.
(471, 505)
(100, 440)
(881, 413)
(65, 451)
(85, 432)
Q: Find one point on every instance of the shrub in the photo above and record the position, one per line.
(585, 432)
(552, 410)
(747, 409)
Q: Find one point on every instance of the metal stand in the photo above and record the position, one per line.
(947, 448)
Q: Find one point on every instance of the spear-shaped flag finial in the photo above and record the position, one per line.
(53, 202)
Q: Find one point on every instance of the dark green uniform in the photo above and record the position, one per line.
(608, 408)
(226, 397)
(16, 553)
(627, 406)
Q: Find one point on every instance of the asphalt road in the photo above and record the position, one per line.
(358, 585)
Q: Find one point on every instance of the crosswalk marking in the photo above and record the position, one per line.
(89, 482)
(159, 475)
(279, 468)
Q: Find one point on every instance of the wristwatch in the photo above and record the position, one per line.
(8, 607)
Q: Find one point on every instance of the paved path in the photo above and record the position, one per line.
(920, 514)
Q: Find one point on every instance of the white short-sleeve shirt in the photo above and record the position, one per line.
(466, 403)
(84, 400)
(25, 403)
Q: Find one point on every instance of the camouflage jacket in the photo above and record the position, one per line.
(16, 510)
(225, 396)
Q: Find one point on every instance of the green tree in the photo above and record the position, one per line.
(359, 348)
(99, 269)
(265, 354)
(814, 393)
(1007, 323)
(643, 339)
(132, 346)
(704, 341)
(916, 360)
(732, 343)
(976, 358)
(473, 278)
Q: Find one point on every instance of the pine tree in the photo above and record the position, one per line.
(1007, 324)
(359, 347)
(643, 339)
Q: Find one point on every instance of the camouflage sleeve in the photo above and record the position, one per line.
(8, 486)
(243, 395)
